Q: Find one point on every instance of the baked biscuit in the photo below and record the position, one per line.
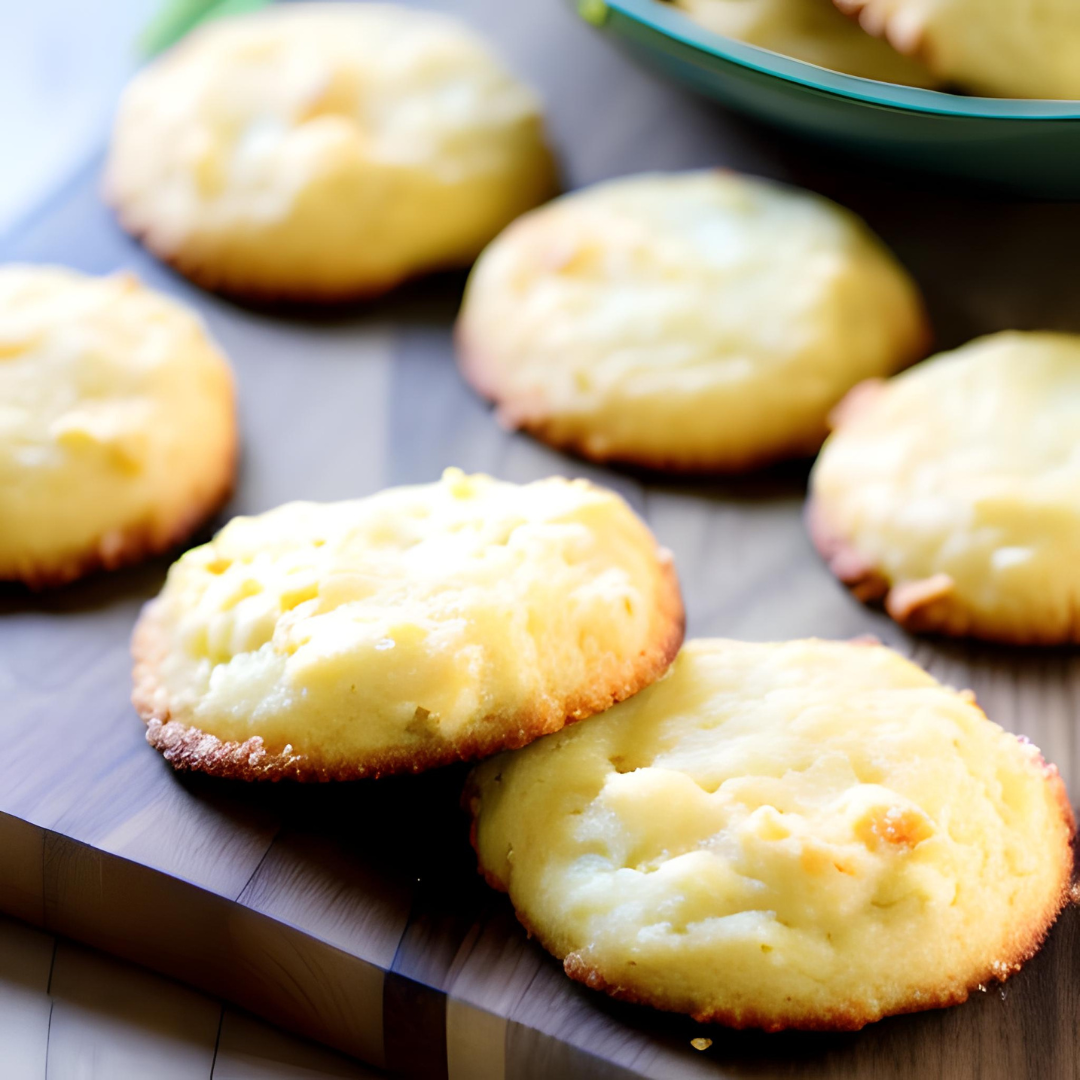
(1002, 48)
(325, 152)
(808, 30)
(418, 626)
(117, 423)
(802, 835)
(953, 492)
(697, 321)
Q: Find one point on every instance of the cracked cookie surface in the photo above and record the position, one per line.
(799, 835)
(952, 491)
(415, 627)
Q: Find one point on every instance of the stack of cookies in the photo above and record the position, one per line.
(805, 834)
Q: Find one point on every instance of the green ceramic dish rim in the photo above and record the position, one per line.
(661, 18)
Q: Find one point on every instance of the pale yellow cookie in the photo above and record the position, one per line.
(1002, 48)
(322, 152)
(802, 835)
(953, 491)
(810, 30)
(693, 321)
(117, 423)
(415, 627)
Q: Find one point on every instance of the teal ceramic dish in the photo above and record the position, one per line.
(1029, 148)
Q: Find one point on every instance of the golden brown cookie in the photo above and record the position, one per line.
(117, 423)
(700, 321)
(325, 152)
(952, 492)
(806, 835)
(415, 627)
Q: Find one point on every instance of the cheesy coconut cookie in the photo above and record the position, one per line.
(394, 633)
(804, 835)
(117, 423)
(698, 321)
(325, 152)
(1002, 48)
(808, 30)
(953, 491)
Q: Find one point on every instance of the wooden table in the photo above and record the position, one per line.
(353, 913)
(71, 1013)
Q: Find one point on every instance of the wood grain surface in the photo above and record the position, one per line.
(70, 1013)
(353, 914)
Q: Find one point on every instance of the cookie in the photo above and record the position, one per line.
(700, 321)
(325, 152)
(409, 629)
(808, 30)
(1001, 48)
(117, 423)
(803, 835)
(952, 492)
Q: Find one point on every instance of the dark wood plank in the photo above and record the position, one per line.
(355, 914)
(114, 1021)
(26, 961)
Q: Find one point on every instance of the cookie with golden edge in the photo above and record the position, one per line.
(325, 152)
(952, 492)
(700, 321)
(409, 629)
(1000, 48)
(806, 835)
(812, 31)
(117, 423)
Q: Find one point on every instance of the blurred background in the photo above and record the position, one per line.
(62, 64)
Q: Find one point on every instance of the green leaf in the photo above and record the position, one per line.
(179, 17)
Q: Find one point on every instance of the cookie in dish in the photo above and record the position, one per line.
(408, 629)
(810, 30)
(952, 492)
(701, 321)
(325, 152)
(117, 423)
(806, 835)
(1000, 48)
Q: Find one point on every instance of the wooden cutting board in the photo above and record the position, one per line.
(353, 913)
